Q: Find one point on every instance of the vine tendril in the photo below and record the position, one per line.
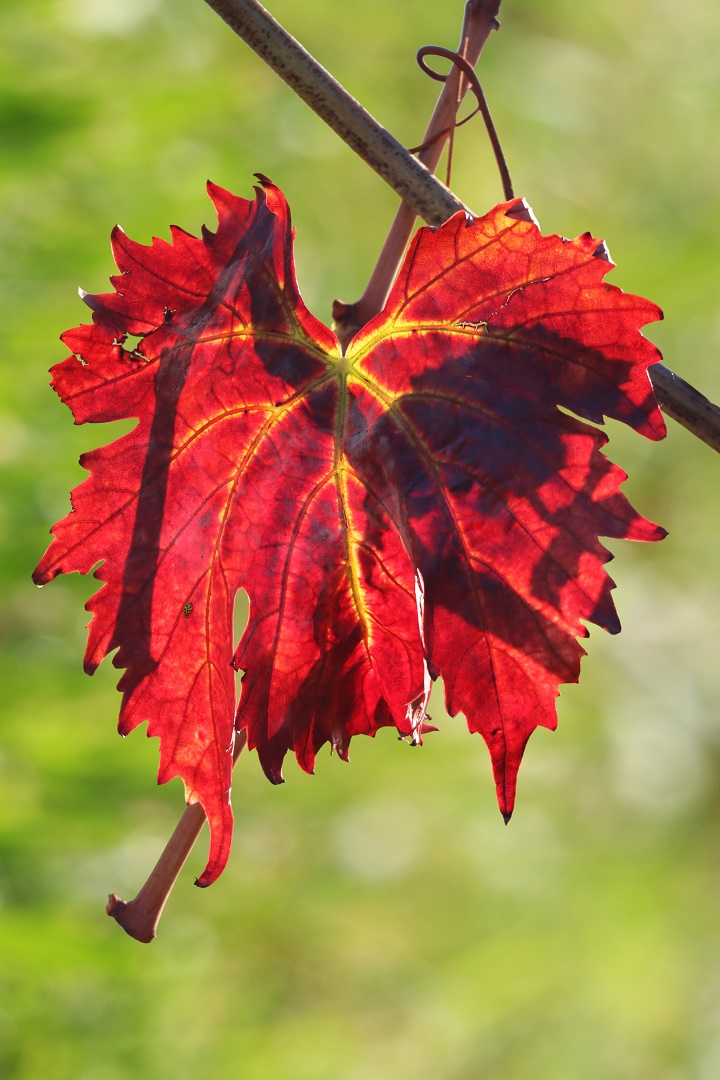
(482, 107)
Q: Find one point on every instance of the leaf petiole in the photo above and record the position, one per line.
(140, 917)
(480, 19)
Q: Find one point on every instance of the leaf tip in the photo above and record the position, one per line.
(90, 299)
(506, 815)
(602, 252)
(520, 210)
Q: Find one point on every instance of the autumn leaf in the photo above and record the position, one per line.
(427, 505)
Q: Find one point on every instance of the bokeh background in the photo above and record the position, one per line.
(376, 920)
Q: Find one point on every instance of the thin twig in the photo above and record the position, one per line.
(140, 917)
(480, 19)
(686, 405)
(325, 96)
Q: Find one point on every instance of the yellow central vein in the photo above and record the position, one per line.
(341, 470)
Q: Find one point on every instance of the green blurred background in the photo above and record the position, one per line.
(377, 920)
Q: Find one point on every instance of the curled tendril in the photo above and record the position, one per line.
(468, 71)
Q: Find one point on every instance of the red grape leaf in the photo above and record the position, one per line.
(425, 505)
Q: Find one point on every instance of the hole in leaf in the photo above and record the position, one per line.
(241, 619)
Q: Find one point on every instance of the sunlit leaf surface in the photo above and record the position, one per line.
(427, 505)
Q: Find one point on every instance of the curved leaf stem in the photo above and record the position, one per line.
(140, 917)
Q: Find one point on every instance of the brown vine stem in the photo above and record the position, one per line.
(430, 199)
(686, 405)
(480, 19)
(140, 917)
